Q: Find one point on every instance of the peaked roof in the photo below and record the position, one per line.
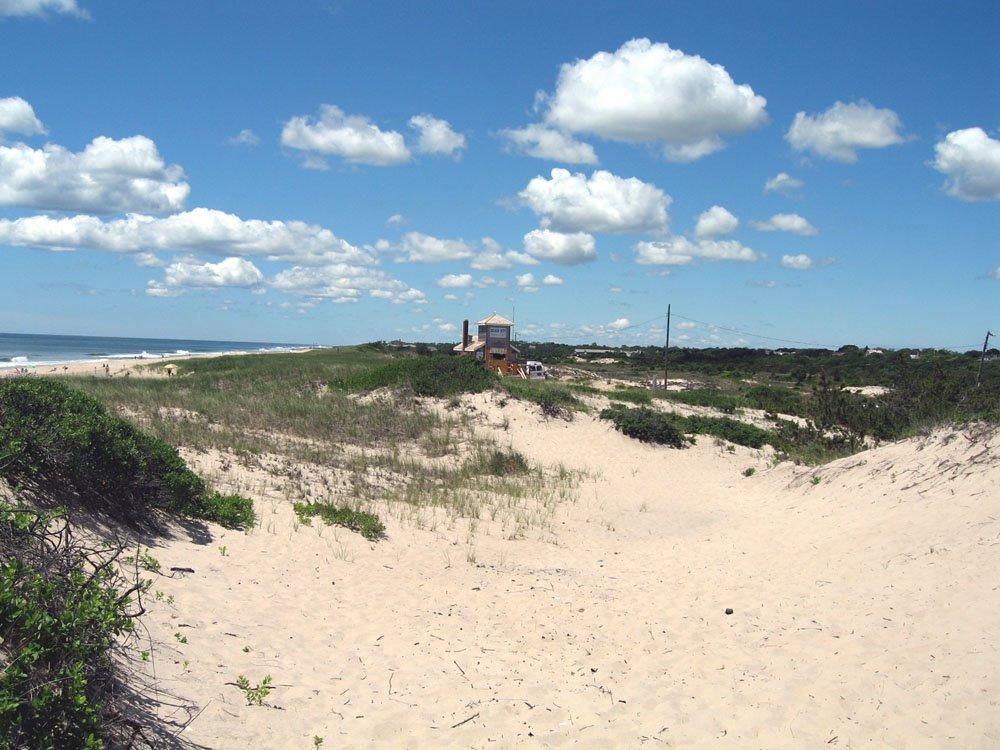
(495, 320)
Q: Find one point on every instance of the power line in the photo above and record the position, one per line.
(755, 335)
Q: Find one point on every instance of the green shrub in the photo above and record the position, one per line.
(437, 375)
(61, 442)
(732, 430)
(231, 511)
(725, 401)
(646, 425)
(555, 399)
(64, 609)
(366, 524)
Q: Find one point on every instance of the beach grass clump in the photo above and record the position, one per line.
(725, 401)
(502, 463)
(66, 615)
(232, 511)
(60, 442)
(646, 425)
(733, 430)
(554, 399)
(366, 524)
(437, 375)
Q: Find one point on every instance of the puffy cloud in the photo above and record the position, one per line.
(716, 221)
(841, 130)
(237, 272)
(41, 8)
(552, 280)
(436, 136)
(526, 282)
(343, 282)
(447, 327)
(543, 142)
(493, 257)
(601, 203)
(782, 183)
(971, 161)
(800, 262)
(995, 273)
(679, 251)
(786, 223)
(107, 176)
(199, 230)
(423, 248)
(17, 116)
(352, 137)
(619, 324)
(564, 249)
(148, 260)
(646, 92)
(455, 281)
(245, 137)
(396, 220)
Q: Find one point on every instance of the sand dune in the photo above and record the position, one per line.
(864, 607)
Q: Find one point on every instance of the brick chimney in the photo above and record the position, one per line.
(465, 333)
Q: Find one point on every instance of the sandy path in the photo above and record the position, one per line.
(847, 628)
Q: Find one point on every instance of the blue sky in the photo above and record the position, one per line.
(131, 205)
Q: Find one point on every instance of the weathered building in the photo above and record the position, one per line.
(491, 344)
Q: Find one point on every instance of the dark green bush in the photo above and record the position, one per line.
(366, 524)
(437, 375)
(61, 442)
(64, 609)
(646, 425)
(726, 401)
(231, 511)
(732, 430)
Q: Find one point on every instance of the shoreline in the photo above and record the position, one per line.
(122, 364)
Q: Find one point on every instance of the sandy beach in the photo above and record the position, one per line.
(863, 600)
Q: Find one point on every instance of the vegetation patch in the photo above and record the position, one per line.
(555, 399)
(646, 425)
(366, 524)
(65, 609)
(437, 375)
(503, 463)
(60, 442)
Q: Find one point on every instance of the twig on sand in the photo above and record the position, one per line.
(465, 721)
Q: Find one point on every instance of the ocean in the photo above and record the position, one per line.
(29, 350)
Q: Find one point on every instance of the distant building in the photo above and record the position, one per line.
(492, 344)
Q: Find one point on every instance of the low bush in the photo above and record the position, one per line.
(60, 442)
(65, 608)
(555, 399)
(437, 375)
(725, 401)
(503, 463)
(366, 524)
(732, 430)
(231, 511)
(646, 425)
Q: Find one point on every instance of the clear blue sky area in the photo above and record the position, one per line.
(873, 217)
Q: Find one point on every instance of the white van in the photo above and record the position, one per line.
(535, 371)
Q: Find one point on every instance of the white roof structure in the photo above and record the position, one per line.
(495, 320)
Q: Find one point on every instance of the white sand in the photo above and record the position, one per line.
(865, 609)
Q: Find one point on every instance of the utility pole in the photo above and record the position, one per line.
(982, 358)
(665, 348)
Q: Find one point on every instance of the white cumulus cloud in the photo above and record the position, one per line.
(436, 136)
(842, 129)
(971, 161)
(41, 8)
(236, 272)
(494, 258)
(200, 230)
(354, 138)
(782, 183)
(604, 202)
(552, 280)
(646, 92)
(679, 251)
(543, 142)
(108, 176)
(344, 283)
(418, 247)
(716, 221)
(565, 249)
(245, 137)
(455, 281)
(786, 223)
(18, 116)
(619, 324)
(800, 262)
